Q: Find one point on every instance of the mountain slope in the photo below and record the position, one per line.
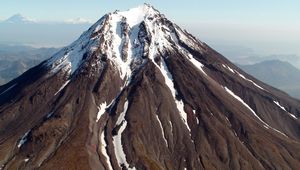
(137, 92)
(277, 73)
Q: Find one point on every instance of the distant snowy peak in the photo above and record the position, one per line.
(132, 36)
(19, 19)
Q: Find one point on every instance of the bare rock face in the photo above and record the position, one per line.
(135, 91)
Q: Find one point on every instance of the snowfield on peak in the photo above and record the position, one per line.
(136, 15)
(128, 39)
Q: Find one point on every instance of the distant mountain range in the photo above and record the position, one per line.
(247, 56)
(279, 74)
(16, 59)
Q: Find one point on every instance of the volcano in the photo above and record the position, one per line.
(136, 91)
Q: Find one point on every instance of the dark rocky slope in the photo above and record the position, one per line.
(137, 92)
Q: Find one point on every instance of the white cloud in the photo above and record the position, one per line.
(78, 21)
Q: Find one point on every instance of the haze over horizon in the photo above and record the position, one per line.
(266, 27)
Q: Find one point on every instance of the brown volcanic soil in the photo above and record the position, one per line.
(222, 132)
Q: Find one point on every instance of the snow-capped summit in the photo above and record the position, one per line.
(128, 39)
(136, 15)
(19, 19)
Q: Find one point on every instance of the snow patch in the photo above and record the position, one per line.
(235, 134)
(227, 119)
(103, 150)
(188, 40)
(279, 132)
(197, 120)
(49, 115)
(116, 42)
(121, 118)
(277, 103)
(117, 140)
(70, 57)
(281, 107)
(168, 78)
(242, 101)
(182, 113)
(62, 87)
(188, 55)
(174, 37)
(198, 64)
(12, 86)
(23, 139)
(230, 69)
(162, 129)
(171, 125)
(293, 116)
(242, 76)
(169, 82)
(101, 111)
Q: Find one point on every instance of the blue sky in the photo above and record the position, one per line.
(271, 26)
(206, 10)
